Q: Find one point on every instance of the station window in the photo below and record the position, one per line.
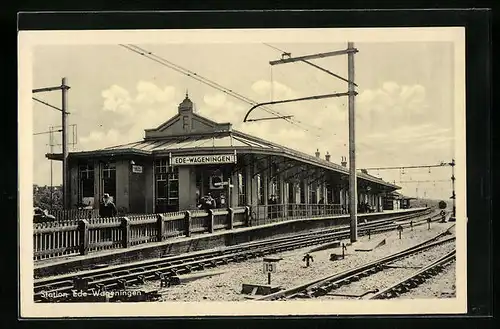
(260, 190)
(329, 195)
(86, 182)
(241, 189)
(275, 188)
(166, 187)
(302, 193)
(312, 195)
(108, 179)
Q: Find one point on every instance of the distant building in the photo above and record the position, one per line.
(189, 156)
(395, 201)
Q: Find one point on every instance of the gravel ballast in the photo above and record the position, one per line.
(291, 269)
(442, 285)
(389, 276)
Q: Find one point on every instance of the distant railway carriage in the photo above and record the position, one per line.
(190, 156)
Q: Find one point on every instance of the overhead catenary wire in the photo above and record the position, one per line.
(358, 117)
(150, 55)
(283, 54)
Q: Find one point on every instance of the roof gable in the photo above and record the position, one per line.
(186, 122)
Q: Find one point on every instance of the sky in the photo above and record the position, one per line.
(404, 108)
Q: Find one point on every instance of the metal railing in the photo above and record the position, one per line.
(265, 214)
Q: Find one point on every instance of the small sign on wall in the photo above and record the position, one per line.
(137, 169)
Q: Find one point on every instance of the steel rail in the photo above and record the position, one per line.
(172, 266)
(415, 279)
(205, 254)
(315, 286)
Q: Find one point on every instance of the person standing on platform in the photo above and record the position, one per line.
(209, 202)
(107, 208)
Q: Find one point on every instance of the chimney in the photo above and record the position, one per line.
(317, 153)
(344, 162)
(327, 156)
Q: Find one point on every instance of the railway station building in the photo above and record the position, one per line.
(189, 156)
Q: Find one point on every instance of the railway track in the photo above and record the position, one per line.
(168, 269)
(417, 278)
(323, 286)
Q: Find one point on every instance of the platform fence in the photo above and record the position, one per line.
(81, 236)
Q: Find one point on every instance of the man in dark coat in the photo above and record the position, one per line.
(107, 208)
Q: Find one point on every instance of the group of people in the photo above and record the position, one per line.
(364, 207)
(207, 202)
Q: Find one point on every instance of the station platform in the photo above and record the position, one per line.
(199, 242)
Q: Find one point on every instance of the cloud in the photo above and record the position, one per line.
(215, 100)
(125, 116)
(117, 99)
(278, 89)
(392, 126)
(149, 93)
(100, 139)
(392, 103)
(219, 108)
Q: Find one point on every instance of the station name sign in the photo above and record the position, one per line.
(203, 159)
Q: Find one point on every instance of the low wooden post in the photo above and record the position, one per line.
(210, 220)
(187, 223)
(160, 226)
(248, 221)
(125, 226)
(83, 233)
(230, 218)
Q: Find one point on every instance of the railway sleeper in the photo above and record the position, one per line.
(386, 295)
(303, 295)
(200, 267)
(411, 283)
(427, 275)
(141, 279)
(364, 274)
(320, 291)
(122, 284)
(401, 288)
(235, 259)
(347, 280)
(355, 278)
(81, 283)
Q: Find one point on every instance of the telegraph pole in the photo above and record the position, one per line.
(51, 169)
(442, 164)
(64, 88)
(352, 147)
(64, 112)
(452, 164)
(350, 52)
